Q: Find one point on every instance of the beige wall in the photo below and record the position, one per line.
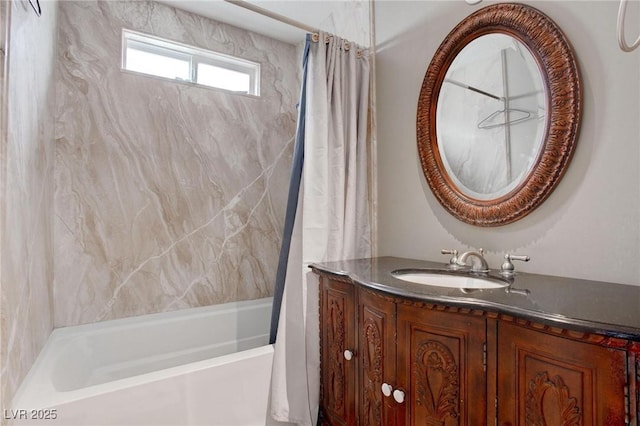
(26, 258)
(168, 196)
(589, 226)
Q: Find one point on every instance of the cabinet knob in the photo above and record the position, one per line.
(387, 389)
(398, 395)
(348, 355)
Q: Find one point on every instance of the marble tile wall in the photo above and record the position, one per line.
(167, 195)
(26, 203)
(350, 20)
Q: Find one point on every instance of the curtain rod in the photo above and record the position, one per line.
(272, 15)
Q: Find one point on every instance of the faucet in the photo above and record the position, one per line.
(478, 262)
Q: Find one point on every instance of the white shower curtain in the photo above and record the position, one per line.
(332, 221)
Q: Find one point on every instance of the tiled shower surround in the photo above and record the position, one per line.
(167, 195)
(153, 195)
(26, 198)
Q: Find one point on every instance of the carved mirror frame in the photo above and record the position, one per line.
(561, 78)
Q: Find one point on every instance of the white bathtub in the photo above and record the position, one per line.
(203, 366)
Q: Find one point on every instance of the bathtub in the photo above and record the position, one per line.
(202, 366)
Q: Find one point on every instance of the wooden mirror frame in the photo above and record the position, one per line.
(562, 82)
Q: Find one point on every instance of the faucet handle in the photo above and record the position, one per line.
(507, 269)
(453, 262)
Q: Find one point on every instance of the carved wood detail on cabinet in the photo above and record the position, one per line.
(335, 362)
(372, 360)
(440, 364)
(436, 375)
(548, 380)
(377, 319)
(550, 396)
(637, 388)
(338, 376)
(633, 390)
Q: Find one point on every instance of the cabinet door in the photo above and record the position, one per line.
(377, 324)
(549, 380)
(337, 325)
(441, 366)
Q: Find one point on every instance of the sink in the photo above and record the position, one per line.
(441, 278)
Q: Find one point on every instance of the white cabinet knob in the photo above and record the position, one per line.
(348, 355)
(386, 389)
(398, 395)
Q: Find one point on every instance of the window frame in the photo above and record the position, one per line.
(193, 55)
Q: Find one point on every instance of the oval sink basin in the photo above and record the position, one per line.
(444, 279)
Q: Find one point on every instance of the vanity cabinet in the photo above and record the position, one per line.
(388, 360)
(377, 359)
(441, 366)
(338, 352)
(550, 380)
(412, 364)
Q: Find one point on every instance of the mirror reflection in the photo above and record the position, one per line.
(491, 116)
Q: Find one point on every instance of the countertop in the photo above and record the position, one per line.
(592, 306)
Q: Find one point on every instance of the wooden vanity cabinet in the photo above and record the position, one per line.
(437, 360)
(551, 380)
(455, 366)
(441, 366)
(338, 334)
(377, 359)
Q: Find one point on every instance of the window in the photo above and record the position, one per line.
(163, 58)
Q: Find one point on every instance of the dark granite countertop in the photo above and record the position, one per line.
(599, 307)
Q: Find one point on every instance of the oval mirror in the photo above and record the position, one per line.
(498, 114)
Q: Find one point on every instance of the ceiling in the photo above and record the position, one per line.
(309, 12)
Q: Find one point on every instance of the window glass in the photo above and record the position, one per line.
(164, 58)
(213, 76)
(155, 64)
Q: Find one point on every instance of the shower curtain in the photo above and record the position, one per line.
(331, 211)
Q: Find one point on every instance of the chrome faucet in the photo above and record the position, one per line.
(478, 262)
(507, 269)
